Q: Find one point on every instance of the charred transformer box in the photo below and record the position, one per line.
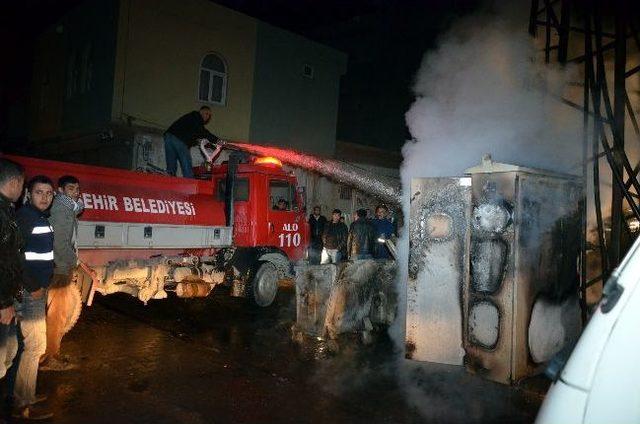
(348, 297)
(493, 269)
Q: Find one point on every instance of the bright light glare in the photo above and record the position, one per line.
(268, 160)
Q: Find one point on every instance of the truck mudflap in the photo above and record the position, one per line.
(345, 298)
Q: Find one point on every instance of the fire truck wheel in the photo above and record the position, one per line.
(261, 290)
(75, 307)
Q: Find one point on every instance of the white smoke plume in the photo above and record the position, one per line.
(485, 89)
(482, 92)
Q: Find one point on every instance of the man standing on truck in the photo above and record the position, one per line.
(11, 182)
(184, 134)
(37, 264)
(316, 224)
(362, 237)
(64, 219)
(334, 238)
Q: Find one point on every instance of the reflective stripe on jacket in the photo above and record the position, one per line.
(37, 258)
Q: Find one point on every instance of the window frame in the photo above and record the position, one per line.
(220, 196)
(291, 194)
(224, 75)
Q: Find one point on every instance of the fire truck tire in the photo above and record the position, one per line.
(261, 290)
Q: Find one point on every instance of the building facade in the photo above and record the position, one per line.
(144, 63)
(112, 75)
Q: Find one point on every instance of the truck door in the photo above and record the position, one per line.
(284, 228)
(244, 226)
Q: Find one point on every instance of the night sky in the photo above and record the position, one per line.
(385, 41)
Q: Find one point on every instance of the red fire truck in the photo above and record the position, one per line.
(147, 234)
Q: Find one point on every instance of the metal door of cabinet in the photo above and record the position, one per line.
(438, 268)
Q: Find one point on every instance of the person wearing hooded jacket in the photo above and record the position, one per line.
(64, 213)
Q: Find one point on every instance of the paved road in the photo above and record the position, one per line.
(218, 361)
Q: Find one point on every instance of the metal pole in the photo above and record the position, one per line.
(585, 160)
(619, 105)
(589, 78)
(533, 18)
(547, 41)
(563, 31)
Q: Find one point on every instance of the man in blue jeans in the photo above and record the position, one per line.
(334, 238)
(37, 265)
(184, 134)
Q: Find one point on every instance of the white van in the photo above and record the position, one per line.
(600, 382)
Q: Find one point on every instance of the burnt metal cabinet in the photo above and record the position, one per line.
(493, 277)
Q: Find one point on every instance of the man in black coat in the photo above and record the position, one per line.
(316, 224)
(362, 236)
(11, 182)
(335, 238)
(184, 134)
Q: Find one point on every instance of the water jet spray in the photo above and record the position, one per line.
(384, 188)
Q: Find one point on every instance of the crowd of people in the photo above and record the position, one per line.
(332, 242)
(38, 256)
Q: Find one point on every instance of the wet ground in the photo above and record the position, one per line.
(218, 361)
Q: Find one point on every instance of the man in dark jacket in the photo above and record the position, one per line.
(61, 297)
(316, 224)
(183, 134)
(334, 238)
(362, 237)
(11, 182)
(37, 266)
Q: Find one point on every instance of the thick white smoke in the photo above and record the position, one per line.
(485, 89)
(482, 92)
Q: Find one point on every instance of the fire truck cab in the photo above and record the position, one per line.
(240, 224)
(268, 208)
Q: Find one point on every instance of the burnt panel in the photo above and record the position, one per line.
(492, 217)
(488, 263)
(438, 226)
(484, 324)
(491, 282)
(438, 268)
(545, 304)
